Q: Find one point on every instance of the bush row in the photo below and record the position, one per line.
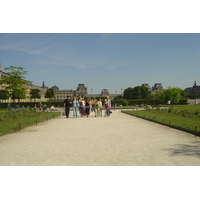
(32, 104)
(123, 102)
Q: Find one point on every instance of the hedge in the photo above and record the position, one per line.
(31, 104)
(123, 102)
(156, 102)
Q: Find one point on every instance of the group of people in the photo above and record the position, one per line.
(86, 106)
(44, 107)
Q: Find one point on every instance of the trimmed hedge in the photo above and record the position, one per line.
(133, 102)
(123, 102)
(31, 104)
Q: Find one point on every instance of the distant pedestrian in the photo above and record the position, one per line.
(88, 106)
(109, 102)
(80, 106)
(67, 104)
(100, 108)
(169, 103)
(75, 105)
(84, 109)
(106, 108)
(93, 105)
(109, 106)
(97, 107)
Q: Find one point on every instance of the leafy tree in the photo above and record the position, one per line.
(128, 93)
(14, 82)
(4, 94)
(18, 94)
(35, 94)
(50, 93)
(172, 94)
(138, 92)
(141, 92)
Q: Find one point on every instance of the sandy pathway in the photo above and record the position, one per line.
(118, 140)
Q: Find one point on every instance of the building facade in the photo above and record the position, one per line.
(155, 89)
(61, 95)
(104, 93)
(193, 91)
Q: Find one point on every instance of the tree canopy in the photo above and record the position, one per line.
(35, 94)
(14, 82)
(4, 94)
(172, 94)
(138, 92)
(50, 93)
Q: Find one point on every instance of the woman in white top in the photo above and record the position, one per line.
(75, 105)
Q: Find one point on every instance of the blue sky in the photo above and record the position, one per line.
(111, 61)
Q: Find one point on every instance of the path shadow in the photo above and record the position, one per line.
(192, 149)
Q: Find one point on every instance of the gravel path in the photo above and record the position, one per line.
(118, 140)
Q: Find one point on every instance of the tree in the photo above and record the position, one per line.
(50, 93)
(18, 94)
(128, 93)
(138, 92)
(14, 82)
(35, 94)
(172, 94)
(4, 94)
(141, 92)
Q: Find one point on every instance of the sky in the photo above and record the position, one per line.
(113, 61)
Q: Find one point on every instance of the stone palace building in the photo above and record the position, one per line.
(80, 91)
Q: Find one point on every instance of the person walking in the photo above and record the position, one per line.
(100, 108)
(67, 104)
(169, 103)
(93, 106)
(109, 102)
(88, 106)
(80, 107)
(84, 111)
(106, 108)
(97, 107)
(75, 105)
(109, 105)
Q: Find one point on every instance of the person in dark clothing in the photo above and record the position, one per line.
(67, 104)
(87, 106)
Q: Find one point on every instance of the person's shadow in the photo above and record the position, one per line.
(192, 149)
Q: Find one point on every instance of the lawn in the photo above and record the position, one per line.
(11, 121)
(186, 118)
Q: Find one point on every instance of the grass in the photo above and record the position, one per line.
(12, 121)
(185, 118)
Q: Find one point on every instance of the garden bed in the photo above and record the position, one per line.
(186, 118)
(12, 121)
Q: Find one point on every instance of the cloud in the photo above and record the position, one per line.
(30, 45)
(71, 59)
(24, 47)
(106, 35)
(118, 65)
(61, 62)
